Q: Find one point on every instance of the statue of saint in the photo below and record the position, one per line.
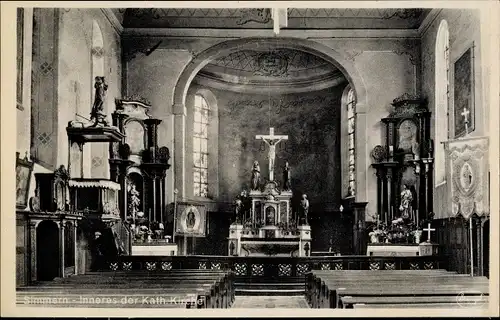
(237, 211)
(406, 200)
(97, 113)
(304, 204)
(286, 177)
(134, 201)
(255, 175)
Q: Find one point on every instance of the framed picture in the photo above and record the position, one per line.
(190, 220)
(463, 92)
(24, 167)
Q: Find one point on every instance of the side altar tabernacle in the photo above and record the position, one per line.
(265, 223)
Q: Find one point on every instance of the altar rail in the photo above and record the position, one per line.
(274, 266)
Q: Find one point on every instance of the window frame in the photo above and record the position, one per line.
(201, 122)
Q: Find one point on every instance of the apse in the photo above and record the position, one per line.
(296, 93)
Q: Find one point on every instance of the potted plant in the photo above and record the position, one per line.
(417, 233)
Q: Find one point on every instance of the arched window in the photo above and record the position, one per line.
(351, 139)
(200, 146)
(442, 90)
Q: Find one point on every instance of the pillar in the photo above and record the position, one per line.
(32, 268)
(75, 245)
(180, 112)
(60, 224)
(479, 247)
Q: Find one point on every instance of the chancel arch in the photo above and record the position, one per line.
(180, 104)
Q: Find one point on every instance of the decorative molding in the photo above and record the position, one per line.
(115, 23)
(402, 13)
(259, 15)
(429, 19)
(243, 33)
(312, 84)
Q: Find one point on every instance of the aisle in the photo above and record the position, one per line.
(270, 302)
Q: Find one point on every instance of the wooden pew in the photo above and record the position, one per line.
(408, 290)
(191, 273)
(418, 305)
(316, 289)
(375, 281)
(325, 289)
(215, 287)
(366, 301)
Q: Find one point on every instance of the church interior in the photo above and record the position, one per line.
(286, 145)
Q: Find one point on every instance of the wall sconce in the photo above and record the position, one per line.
(341, 208)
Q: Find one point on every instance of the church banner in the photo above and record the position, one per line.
(468, 172)
(190, 220)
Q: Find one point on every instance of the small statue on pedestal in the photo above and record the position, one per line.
(134, 201)
(97, 115)
(255, 175)
(237, 211)
(304, 204)
(286, 177)
(406, 200)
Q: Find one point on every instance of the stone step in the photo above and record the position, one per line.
(268, 292)
(270, 286)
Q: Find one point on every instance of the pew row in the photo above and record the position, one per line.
(343, 289)
(186, 289)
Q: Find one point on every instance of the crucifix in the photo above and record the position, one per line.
(271, 140)
(465, 114)
(429, 229)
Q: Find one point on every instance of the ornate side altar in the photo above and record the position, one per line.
(404, 169)
(140, 166)
(265, 224)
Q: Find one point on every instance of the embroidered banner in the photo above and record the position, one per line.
(467, 162)
(191, 220)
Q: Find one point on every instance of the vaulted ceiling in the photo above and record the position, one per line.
(274, 70)
(255, 18)
(270, 70)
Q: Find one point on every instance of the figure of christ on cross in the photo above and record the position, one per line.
(271, 140)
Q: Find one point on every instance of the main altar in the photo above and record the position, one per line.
(265, 223)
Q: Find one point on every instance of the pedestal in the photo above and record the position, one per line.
(401, 250)
(234, 244)
(304, 241)
(154, 249)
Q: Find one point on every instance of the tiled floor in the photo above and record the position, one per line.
(270, 302)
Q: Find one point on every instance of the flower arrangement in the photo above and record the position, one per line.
(147, 232)
(401, 230)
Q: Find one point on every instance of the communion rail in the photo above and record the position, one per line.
(274, 266)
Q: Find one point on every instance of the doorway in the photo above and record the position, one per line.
(47, 251)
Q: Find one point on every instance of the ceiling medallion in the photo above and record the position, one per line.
(273, 64)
